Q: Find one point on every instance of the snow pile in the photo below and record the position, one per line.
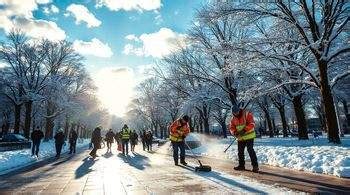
(19, 158)
(314, 155)
(306, 155)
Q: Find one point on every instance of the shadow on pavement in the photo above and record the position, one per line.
(62, 160)
(135, 160)
(215, 176)
(107, 154)
(84, 168)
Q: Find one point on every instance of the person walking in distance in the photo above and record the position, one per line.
(36, 137)
(96, 141)
(179, 129)
(242, 127)
(59, 141)
(149, 140)
(143, 139)
(109, 139)
(125, 133)
(133, 140)
(73, 136)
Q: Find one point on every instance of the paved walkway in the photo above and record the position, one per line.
(140, 173)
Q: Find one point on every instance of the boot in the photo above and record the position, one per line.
(183, 163)
(176, 163)
(255, 169)
(239, 168)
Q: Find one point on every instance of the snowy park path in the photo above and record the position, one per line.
(141, 173)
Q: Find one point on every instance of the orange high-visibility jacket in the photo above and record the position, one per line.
(245, 122)
(176, 133)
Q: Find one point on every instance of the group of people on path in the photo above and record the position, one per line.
(37, 135)
(123, 138)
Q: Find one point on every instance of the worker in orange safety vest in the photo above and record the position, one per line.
(179, 129)
(242, 127)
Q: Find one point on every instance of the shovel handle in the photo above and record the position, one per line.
(230, 145)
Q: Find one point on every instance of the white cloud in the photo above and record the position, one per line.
(82, 14)
(51, 10)
(158, 19)
(158, 44)
(128, 5)
(40, 28)
(95, 48)
(43, 1)
(131, 37)
(19, 14)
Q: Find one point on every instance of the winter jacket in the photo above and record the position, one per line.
(134, 138)
(110, 136)
(242, 126)
(37, 135)
(179, 131)
(73, 137)
(96, 137)
(59, 138)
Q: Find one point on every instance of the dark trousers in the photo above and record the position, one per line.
(94, 150)
(58, 149)
(35, 147)
(149, 145)
(72, 146)
(241, 145)
(109, 145)
(176, 146)
(144, 145)
(125, 146)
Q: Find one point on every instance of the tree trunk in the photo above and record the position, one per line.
(28, 118)
(300, 117)
(282, 113)
(346, 112)
(269, 123)
(327, 97)
(17, 118)
(224, 129)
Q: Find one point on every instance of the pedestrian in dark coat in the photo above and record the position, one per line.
(143, 139)
(59, 141)
(133, 140)
(36, 137)
(109, 139)
(96, 141)
(73, 136)
(149, 139)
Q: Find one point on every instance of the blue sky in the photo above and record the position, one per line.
(118, 38)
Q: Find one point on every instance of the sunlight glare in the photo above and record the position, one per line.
(115, 89)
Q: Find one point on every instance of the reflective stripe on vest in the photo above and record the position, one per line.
(125, 134)
(175, 138)
(247, 135)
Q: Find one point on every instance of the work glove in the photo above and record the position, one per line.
(241, 133)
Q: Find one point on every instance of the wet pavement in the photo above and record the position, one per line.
(139, 173)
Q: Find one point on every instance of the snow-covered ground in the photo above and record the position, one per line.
(11, 160)
(314, 155)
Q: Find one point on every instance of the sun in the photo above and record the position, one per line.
(115, 89)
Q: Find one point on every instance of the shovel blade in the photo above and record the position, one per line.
(204, 168)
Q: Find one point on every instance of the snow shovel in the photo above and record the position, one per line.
(201, 167)
(234, 139)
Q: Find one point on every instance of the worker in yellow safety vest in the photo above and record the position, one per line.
(179, 129)
(242, 127)
(125, 135)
